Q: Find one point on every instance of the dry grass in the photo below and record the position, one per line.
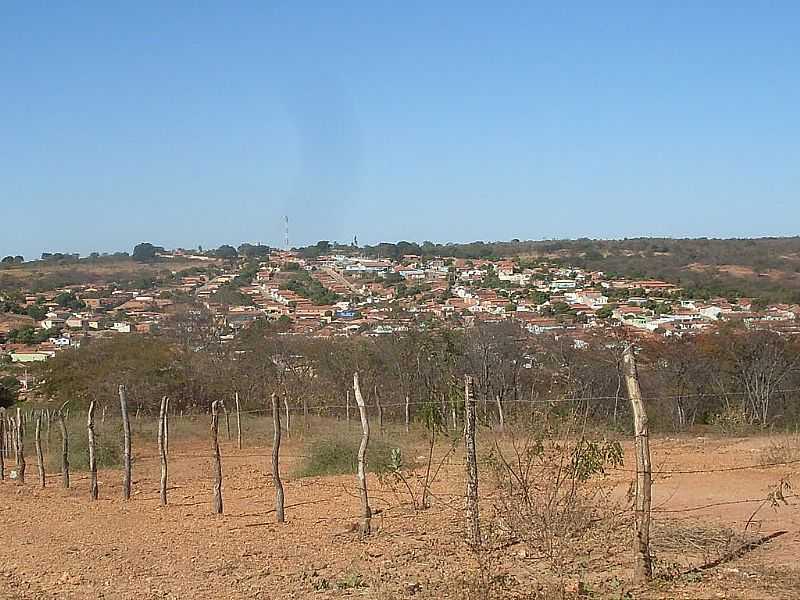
(782, 449)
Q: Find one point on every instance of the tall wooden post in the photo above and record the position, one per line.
(276, 449)
(39, 455)
(642, 568)
(93, 489)
(408, 414)
(3, 446)
(126, 431)
(19, 443)
(238, 422)
(366, 511)
(216, 466)
(64, 449)
(470, 418)
(162, 450)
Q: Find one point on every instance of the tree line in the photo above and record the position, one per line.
(732, 379)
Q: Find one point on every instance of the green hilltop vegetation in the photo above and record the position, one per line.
(768, 268)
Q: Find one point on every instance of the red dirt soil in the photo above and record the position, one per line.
(58, 544)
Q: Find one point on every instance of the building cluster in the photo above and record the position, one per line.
(339, 295)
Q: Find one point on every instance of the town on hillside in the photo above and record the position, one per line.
(344, 292)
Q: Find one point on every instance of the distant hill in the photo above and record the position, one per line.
(763, 267)
(44, 275)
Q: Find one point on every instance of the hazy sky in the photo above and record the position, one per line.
(204, 123)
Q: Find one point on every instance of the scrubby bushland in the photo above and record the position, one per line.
(725, 377)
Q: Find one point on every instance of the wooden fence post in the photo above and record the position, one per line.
(93, 491)
(227, 422)
(2, 444)
(166, 427)
(366, 512)
(48, 425)
(408, 414)
(64, 449)
(379, 407)
(39, 455)
(126, 431)
(162, 450)
(11, 436)
(20, 446)
(500, 414)
(238, 422)
(473, 519)
(642, 568)
(288, 416)
(276, 448)
(217, 461)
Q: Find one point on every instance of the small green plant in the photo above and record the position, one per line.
(351, 581)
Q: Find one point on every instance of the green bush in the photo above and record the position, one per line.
(338, 455)
(108, 447)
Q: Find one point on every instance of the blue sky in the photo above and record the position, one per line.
(205, 123)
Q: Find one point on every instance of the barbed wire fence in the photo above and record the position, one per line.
(236, 450)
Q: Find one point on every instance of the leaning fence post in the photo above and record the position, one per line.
(238, 422)
(366, 512)
(217, 461)
(39, 455)
(93, 491)
(408, 414)
(162, 450)
(473, 519)
(276, 448)
(642, 568)
(20, 446)
(64, 449)
(126, 431)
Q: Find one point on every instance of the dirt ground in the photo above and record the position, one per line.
(58, 544)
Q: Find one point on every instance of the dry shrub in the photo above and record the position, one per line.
(680, 545)
(553, 495)
(732, 421)
(784, 449)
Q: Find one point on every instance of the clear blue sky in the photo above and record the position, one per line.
(204, 123)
